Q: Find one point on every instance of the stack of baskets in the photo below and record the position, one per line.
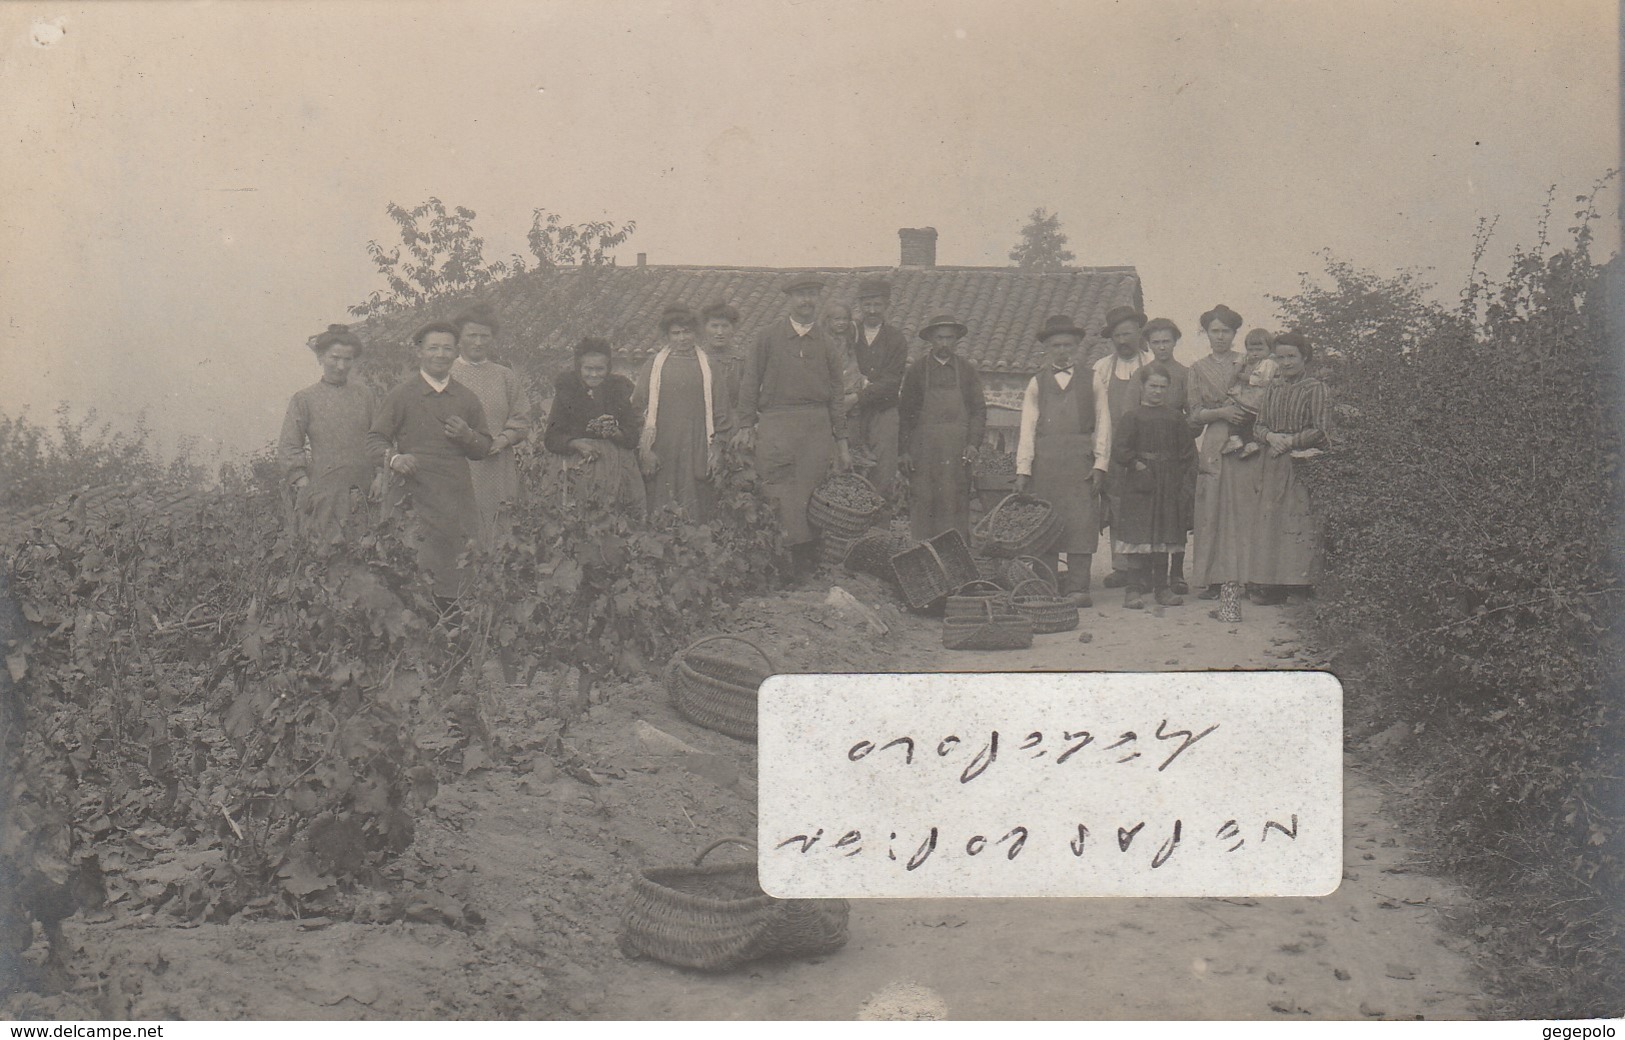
(1020, 525)
(932, 569)
(1045, 608)
(991, 629)
(844, 505)
(716, 917)
(968, 600)
(832, 548)
(717, 691)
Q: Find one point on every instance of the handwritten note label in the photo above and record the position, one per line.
(1051, 784)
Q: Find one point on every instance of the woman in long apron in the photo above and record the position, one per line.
(506, 403)
(683, 416)
(323, 447)
(941, 417)
(1283, 548)
(594, 428)
(1064, 452)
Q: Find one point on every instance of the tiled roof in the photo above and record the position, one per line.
(1004, 306)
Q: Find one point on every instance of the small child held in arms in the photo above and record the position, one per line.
(1256, 371)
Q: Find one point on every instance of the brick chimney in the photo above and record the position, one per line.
(919, 246)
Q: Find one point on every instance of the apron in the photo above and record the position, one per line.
(441, 497)
(793, 450)
(939, 498)
(1061, 466)
(1121, 395)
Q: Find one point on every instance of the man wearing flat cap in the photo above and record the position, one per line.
(791, 411)
(882, 352)
(1065, 447)
(1114, 377)
(942, 414)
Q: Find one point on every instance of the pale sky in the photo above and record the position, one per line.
(190, 186)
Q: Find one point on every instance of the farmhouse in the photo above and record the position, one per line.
(1004, 307)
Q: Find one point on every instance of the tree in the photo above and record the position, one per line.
(556, 244)
(444, 258)
(1043, 244)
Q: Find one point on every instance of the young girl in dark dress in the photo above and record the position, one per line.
(1152, 451)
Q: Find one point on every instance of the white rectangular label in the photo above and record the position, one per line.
(1051, 784)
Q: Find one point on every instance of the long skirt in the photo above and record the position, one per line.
(325, 505)
(1061, 467)
(1226, 506)
(939, 493)
(1283, 541)
(440, 496)
(612, 480)
(1151, 514)
(496, 486)
(793, 449)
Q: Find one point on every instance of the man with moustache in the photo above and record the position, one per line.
(1114, 377)
(792, 414)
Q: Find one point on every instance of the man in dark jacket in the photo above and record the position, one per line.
(882, 356)
(942, 414)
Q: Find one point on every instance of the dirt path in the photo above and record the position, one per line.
(521, 873)
(1374, 949)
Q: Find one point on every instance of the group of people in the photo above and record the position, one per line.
(1141, 445)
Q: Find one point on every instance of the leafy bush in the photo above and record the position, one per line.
(40, 464)
(1472, 540)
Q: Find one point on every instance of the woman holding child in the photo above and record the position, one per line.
(1283, 542)
(1226, 484)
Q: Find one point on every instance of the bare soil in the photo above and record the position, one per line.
(523, 869)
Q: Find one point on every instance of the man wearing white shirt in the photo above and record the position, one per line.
(1064, 450)
(1114, 378)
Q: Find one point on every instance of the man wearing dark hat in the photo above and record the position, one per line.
(942, 413)
(791, 412)
(882, 356)
(1114, 377)
(1064, 450)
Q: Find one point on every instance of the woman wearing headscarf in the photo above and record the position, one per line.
(506, 403)
(1283, 546)
(683, 417)
(595, 426)
(1226, 485)
(323, 447)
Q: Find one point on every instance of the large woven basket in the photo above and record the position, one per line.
(872, 553)
(993, 630)
(1008, 573)
(832, 517)
(716, 691)
(1037, 537)
(932, 569)
(717, 917)
(967, 601)
(832, 548)
(1048, 611)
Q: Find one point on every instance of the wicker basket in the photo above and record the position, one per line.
(715, 691)
(872, 553)
(834, 518)
(1038, 538)
(1008, 573)
(716, 917)
(991, 630)
(832, 548)
(968, 600)
(1047, 611)
(931, 570)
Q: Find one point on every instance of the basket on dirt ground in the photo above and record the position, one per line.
(932, 569)
(718, 692)
(845, 504)
(1044, 607)
(832, 548)
(1020, 525)
(968, 599)
(1008, 573)
(872, 552)
(715, 917)
(991, 630)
